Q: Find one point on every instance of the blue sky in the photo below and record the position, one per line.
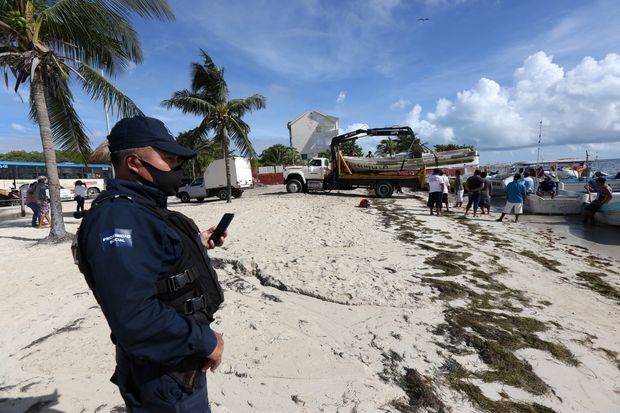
(479, 72)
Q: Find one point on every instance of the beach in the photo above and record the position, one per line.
(334, 308)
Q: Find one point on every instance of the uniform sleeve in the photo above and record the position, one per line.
(126, 248)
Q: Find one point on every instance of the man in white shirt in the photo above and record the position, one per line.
(446, 189)
(435, 191)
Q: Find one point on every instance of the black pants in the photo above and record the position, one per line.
(80, 203)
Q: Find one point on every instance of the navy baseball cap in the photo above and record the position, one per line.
(142, 131)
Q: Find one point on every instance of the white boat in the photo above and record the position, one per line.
(428, 160)
(610, 212)
(579, 185)
(564, 203)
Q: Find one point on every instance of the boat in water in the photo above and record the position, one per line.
(610, 212)
(457, 157)
(564, 203)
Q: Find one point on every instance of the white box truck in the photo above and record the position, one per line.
(213, 182)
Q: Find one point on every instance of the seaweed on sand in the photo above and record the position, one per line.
(449, 262)
(545, 262)
(594, 281)
(421, 395)
(496, 336)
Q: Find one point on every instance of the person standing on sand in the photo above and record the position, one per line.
(151, 275)
(41, 192)
(529, 183)
(80, 195)
(446, 190)
(516, 198)
(435, 191)
(31, 202)
(604, 195)
(485, 194)
(473, 186)
(458, 189)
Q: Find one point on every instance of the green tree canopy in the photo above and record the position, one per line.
(279, 154)
(34, 156)
(387, 147)
(451, 147)
(351, 148)
(49, 43)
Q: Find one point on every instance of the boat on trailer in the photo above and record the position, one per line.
(401, 163)
(564, 203)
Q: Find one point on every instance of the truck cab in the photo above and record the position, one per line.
(304, 178)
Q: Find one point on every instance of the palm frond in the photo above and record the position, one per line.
(90, 32)
(242, 106)
(238, 132)
(150, 9)
(98, 87)
(188, 102)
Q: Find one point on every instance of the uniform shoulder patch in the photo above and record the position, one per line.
(116, 238)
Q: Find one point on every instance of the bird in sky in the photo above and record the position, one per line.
(424, 19)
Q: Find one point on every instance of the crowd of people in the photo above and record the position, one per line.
(478, 188)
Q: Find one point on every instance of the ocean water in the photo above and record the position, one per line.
(609, 166)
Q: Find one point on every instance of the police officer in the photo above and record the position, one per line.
(151, 275)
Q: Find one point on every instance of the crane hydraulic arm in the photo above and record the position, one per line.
(359, 133)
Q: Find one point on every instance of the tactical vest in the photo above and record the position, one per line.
(191, 286)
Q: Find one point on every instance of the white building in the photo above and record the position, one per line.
(312, 133)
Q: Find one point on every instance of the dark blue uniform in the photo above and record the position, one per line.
(128, 247)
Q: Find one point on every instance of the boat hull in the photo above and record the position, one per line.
(564, 203)
(610, 213)
(443, 159)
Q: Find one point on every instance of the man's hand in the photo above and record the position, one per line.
(215, 358)
(205, 235)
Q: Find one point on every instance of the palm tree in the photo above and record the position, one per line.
(279, 154)
(387, 147)
(208, 98)
(409, 143)
(50, 42)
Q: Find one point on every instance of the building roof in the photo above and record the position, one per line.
(309, 112)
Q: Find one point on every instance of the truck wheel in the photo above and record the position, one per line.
(184, 197)
(237, 193)
(200, 199)
(293, 186)
(222, 194)
(92, 192)
(384, 189)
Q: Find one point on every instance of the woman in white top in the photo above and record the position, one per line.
(80, 195)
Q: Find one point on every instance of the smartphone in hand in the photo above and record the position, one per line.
(221, 228)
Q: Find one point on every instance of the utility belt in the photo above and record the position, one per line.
(187, 373)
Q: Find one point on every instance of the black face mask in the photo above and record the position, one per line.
(166, 181)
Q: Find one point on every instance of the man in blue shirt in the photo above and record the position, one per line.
(516, 197)
(529, 183)
(151, 275)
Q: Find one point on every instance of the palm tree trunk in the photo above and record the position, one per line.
(225, 145)
(57, 230)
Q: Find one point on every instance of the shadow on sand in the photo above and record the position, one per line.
(35, 404)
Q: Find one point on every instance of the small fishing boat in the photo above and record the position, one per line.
(428, 160)
(610, 212)
(564, 203)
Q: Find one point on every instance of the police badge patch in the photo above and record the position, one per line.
(116, 238)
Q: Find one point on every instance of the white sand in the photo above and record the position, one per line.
(354, 293)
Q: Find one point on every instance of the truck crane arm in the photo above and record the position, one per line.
(359, 133)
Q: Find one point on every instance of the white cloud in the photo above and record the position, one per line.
(400, 104)
(354, 126)
(341, 96)
(577, 106)
(18, 127)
